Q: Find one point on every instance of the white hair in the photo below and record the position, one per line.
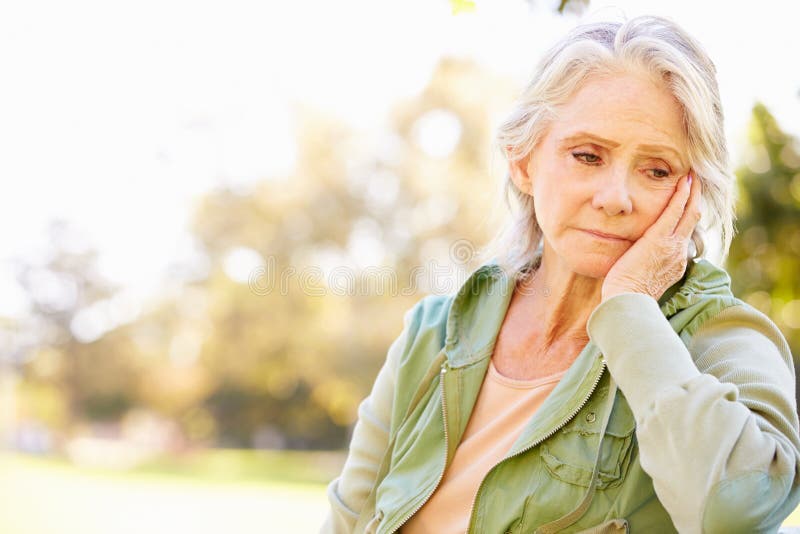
(650, 44)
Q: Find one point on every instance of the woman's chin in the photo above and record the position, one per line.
(591, 262)
(594, 266)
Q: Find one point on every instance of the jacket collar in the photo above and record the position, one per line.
(480, 305)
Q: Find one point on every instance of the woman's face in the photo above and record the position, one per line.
(609, 163)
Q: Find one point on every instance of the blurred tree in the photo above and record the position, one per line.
(71, 371)
(764, 260)
(280, 353)
(291, 347)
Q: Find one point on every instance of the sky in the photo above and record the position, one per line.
(117, 116)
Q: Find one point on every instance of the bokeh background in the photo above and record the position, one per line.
(214, 214)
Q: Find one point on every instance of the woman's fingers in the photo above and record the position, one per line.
(668, 222)
(692, 213)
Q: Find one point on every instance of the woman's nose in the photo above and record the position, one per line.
(612, 195)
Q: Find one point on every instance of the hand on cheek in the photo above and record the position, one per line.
(658, 259)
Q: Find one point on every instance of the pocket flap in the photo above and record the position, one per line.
(612, 526)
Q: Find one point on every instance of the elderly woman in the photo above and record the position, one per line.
(595, 375)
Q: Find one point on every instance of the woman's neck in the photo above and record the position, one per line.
(559, 301)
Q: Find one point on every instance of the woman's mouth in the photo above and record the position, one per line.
(604, 236)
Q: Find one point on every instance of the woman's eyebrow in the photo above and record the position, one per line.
(613, 144)
(586, 135)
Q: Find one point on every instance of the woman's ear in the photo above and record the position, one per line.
(518, 170)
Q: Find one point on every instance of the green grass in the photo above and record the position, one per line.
(218, 491)
(233, 465)
(221, 491)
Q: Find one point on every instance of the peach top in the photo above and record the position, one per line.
(501, 410)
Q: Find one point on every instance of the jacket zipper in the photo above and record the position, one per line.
(446, 448)
(537, 442)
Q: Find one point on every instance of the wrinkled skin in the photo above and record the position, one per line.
(658, 258)
(608, 182)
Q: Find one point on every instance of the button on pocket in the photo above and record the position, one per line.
(569, 454)
(613, 526)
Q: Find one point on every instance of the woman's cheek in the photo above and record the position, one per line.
(655, 193)
(654, 206)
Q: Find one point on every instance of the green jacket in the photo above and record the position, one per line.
(692, 395)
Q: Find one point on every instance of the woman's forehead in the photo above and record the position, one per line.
(621, 111)
(627, 97)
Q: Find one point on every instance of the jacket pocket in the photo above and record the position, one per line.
(410, 429)
(613, 526)
(569, 455)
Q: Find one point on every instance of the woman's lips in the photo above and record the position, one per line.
(607, 237)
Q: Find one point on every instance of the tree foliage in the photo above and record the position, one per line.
(764, 259)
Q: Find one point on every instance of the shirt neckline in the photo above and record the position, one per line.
(518, 383)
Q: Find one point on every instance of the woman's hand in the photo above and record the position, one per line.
(658, 258)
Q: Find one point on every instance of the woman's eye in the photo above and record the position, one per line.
(592, 159)
(579, 155)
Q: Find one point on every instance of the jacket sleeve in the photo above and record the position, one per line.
(347, 492)
(716, 420)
